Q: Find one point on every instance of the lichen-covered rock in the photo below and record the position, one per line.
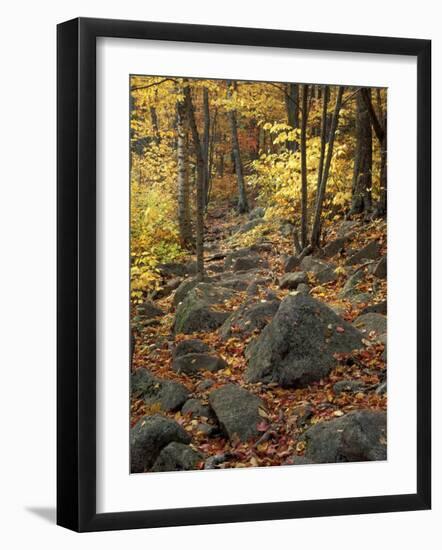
(195, 362)
(177, 457)
(149, 310)
(348, 386)
(380, 269)
(334, 247)
(237, 411)
(297, 347)
(195, 314)
(195, 408)
(257, 212)
(380, 307)
(149, 436)
(246, 263)
(193, 345)
(167, 394)
(291, 281)
(371, 322)
(313, 265)
(355, 437)
(291, 263)
(248, 318)
(371, 251)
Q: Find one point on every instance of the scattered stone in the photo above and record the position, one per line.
(350, 386)
(208, 429)
(250, 225)
(334, 247)
(149, 436)
(297, 347)
(380, 268)
(327, 275)
(177, 457)
(291, 281)
(232, 256)
(194, 313)
(169, 395)
(148, 310)
(257, 212)
(303, 288)
(195, 362)
(287, 229)
(371, 251)
(241, 280)
(183, 290)
(173, 269)
(382, 388)
(355, 437)
(166, 290)
(195, 408)
(246, 263)
(248, 318)
(346, 227)
(291, 263)
(237, 411)
(304, 414)
(309, 263)
(205, 384)
(194, 345)
(351, 285)
(380, 307)
(371, 322)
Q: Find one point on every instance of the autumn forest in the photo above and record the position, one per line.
(258, 274)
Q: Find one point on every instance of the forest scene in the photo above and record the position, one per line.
(258, 274)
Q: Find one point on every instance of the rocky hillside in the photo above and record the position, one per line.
(270, 360)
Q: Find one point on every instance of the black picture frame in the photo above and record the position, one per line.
(76, 274)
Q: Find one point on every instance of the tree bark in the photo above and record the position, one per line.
(379, 124)
(243, 205)
(316, 231)
(205, 144)
(184, 224)
(155, 127)
(362, 173)
(200, 179)
(292, 107)
(304, 116)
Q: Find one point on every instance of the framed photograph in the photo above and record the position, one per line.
(229, 200)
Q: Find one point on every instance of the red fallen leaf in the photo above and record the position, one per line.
(340, 329)
(262, 426)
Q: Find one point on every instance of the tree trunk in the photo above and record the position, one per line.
(316, 231)
(292, 106)
(205, 145)
(200, 180)
(362, 173)
(243, 205)
(154, 120)
(304, 116)
(184, 225)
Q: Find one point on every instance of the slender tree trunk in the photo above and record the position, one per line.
(379, 124)
(292, 107)
(211, 155)
(155, 127)
(200, 180)
(362, 173)
(316, 231)
(243, 205)
(304, 197)
(205, 144)
(323, 137)
(184, 224)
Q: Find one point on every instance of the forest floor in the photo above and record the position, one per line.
(287, 411)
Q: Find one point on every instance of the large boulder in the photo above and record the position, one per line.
(166, 289)
(232, 256)
(371, 251)
(167, 394)
(334, 247)
(291, 263)
(195, 313)
(192, 363)
(175, 269)
(355, 437)
(250, 225)
(177, 457)
(248, 318)
(257, 212)
(351, 290)
(237, 411)
(240, 281)
(149, 436)
(299, 344)
(194, 345)
(291, 281)
(183, 290)
(380, 307)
